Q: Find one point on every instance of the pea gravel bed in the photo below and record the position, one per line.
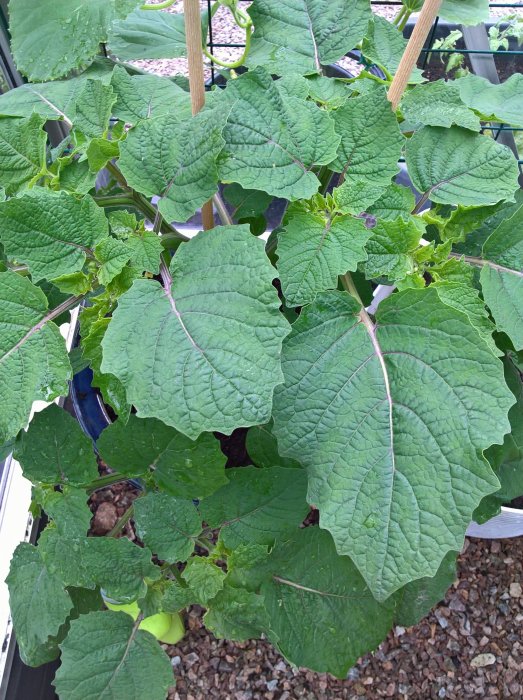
(469, 646)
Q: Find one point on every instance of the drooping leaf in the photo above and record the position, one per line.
(39, 604)
(106, 655)
(299, 36)
(217, 380)
(144, 34)
(331, 92)
(35, 31)
(55, 450)
(204, 578)
(174, 158)
(313, 249)
(69, 510)
(247, 203)
(118, 566)
(263, 448)
(391, 246)
(319, 606)
(75, 175)
(167, 525)
(93, 108)
(22, 151)
(456, 166)
(183, 467)
(502, 276)
(236, 614)
(371, 140)
(272, 143)
(257, 506)
(390, 422)
(33, 358)
(502, 102)
(438, 104)
(143, 96)
(51, 232)
(417, 598)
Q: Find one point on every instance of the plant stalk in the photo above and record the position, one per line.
(121, 522)
(222, 210)
(104, 481)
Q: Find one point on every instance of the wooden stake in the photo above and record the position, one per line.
(193, 38)
(409, 59)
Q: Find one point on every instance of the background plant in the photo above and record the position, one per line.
(397, 426)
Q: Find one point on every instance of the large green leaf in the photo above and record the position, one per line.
(51, 232)
(33, 358)
(467, 12)
(314, 248)
(383, 44)
(53, 38)
(299, 36)
(395, 201)
(142, 96)
(271, 142)
(319, 606)
(221, 313)
(106, 656)
(502, 276)
(391, 246)
(183, 467)
(417, 598)
(22, 151)
(144, 34)
(174, 158)
(456, 166)
(39, 603)
(167, 525)
(390, 421)
(503, 102)
(118, 566)
(257, 506)
(236, 614)
(438, 104)
(204, 578)
(55, 450)
(93, 108)
(69, 510)
(371, 140)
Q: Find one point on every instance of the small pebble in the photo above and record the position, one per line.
(482, 660)
(272, 685)
(176, 661)
(515, 590)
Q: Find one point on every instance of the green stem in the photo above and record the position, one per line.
(104, 481)
(350, 287)
(222, 210)
(205, 543)
(370, 76)
(405, 19)
(121, 522)
(158, 6)
(241, 60)
(396, 21)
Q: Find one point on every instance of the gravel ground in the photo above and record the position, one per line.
(470, 646)
(225, 31)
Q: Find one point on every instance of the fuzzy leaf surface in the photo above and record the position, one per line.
(438, 104)
(222, 315)
(51, 232)
(22, 151)
(371, 141)
(175, 159)
(257, 506)
(313, 249)
(503, 102)
(33, 359)
(167, 525)
(180, 466)
(272, 142)
(390, 425)
(145, 34)
(299, 36)
(456, 166)
(105, 656)
(38, 600)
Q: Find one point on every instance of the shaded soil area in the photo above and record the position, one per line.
(470, 646)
